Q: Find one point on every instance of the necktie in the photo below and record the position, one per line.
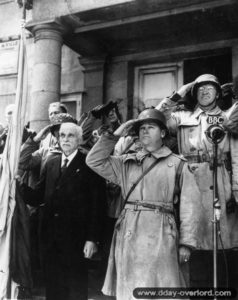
(64, 167)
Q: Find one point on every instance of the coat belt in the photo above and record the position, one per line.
(138, 205)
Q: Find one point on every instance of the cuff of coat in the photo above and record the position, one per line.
(175, 97)
(30, 141)
(189, 242)
(191, 248)
(110, 136)
(32, 135)
(93, 238)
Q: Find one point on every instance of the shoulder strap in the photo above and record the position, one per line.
(176, 198)
(139, 179)
(177, 179)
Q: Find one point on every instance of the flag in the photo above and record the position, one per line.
(8, 172)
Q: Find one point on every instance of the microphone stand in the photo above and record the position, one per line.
(215, 134)
(216, 215)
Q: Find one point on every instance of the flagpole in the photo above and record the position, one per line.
(9, 288)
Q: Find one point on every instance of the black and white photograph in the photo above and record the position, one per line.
(118, 149)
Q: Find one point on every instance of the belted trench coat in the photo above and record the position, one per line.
(190, 128)
(144, 250)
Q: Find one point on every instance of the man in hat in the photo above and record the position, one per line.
(31, 164)
(54, 109)
(43, 142)
(33, 157)
(144, 249)
(71, 225)
(196, 136)
(112, 119)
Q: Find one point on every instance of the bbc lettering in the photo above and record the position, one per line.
(215, 120)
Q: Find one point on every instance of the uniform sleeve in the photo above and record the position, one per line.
(190, 209)
(30, 156)
(123, 145)
(101, 162)
(168, 107)
(87, 127)
(35, 197)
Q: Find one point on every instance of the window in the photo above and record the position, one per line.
(74, 104)
(154, 82)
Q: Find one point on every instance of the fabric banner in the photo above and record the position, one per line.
(8, 172)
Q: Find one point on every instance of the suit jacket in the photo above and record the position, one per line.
(73, 206)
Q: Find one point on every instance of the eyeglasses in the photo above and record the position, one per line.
(203, 89)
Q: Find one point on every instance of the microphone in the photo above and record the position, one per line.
(215, 132)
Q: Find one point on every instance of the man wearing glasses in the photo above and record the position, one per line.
(191, 125)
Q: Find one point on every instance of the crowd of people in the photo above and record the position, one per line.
(141, 192)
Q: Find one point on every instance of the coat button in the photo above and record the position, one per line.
(128, 234)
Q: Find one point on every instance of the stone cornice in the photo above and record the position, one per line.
(49, 29)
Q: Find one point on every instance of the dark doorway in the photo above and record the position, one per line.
(218, 65)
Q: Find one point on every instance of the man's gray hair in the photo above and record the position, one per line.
(78, 128)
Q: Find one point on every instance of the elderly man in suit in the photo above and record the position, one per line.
(72, 216)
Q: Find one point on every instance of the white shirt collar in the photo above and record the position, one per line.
(70, 157)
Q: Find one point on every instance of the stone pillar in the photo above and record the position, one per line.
(93, 82)
(46, 72)
(234, 61)
(235, 68)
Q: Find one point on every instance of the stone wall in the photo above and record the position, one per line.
(45, 9)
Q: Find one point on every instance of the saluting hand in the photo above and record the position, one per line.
(185, 89)
(235, 193)
(90, 248)
(124, 127)
(42, 134)
(184, 254)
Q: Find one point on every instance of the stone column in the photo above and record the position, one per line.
(46, 72)
(234, 61)
(235, 67)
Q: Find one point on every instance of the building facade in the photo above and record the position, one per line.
(89, 52)
(86, 53)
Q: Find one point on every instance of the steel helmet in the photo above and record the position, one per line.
(153, 115)
(205, 79)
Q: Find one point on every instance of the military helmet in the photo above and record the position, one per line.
(151, 115)
(206, 79)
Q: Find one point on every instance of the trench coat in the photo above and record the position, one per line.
(190, 128)
(144, 250)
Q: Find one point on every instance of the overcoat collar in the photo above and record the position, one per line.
(164, 151)
(198, 111)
